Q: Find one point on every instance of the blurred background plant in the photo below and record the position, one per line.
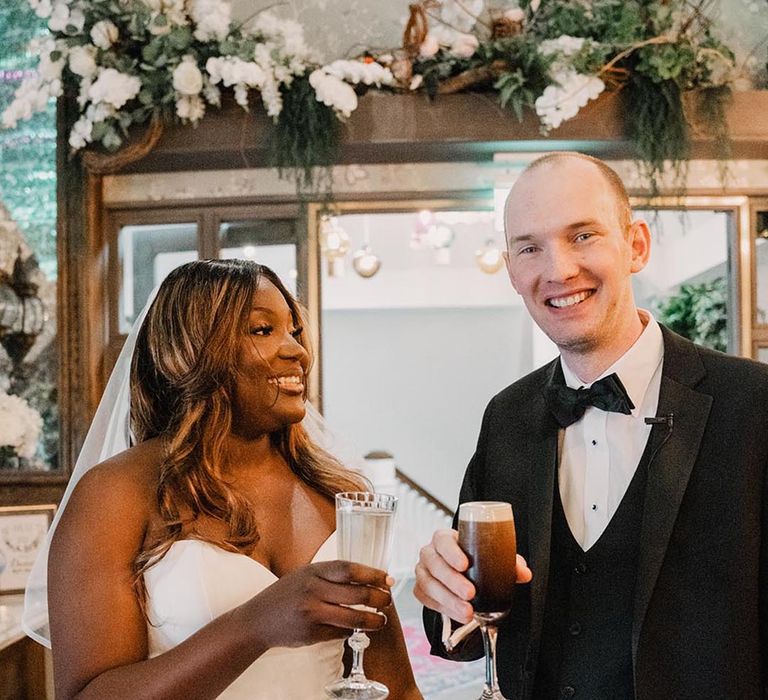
(698, 312)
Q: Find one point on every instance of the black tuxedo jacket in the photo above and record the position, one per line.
(700, 623)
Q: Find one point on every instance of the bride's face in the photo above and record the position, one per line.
(272, 366)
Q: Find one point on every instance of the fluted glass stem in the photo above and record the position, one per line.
(491, 688)
(358, 643)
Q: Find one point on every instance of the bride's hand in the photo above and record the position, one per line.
(310, 605)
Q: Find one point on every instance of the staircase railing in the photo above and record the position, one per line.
(419, 514)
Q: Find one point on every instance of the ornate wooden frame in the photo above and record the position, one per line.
(386, 129)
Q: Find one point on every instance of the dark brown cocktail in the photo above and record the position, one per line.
(491, 549)
(487, 536)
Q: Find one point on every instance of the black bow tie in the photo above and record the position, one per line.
(568, 405)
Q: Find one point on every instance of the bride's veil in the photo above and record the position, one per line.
(109, 434)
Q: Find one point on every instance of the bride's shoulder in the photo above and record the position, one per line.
(127, 481)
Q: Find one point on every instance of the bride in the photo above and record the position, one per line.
(199, 563)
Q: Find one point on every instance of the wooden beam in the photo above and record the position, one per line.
(390, 128)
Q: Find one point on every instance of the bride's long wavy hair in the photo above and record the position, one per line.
(182, 378)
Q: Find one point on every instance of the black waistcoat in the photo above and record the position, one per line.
(586, 643)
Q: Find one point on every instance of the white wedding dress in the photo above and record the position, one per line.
(196, 581)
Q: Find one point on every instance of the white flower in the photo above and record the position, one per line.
(212, 18)
(515, 15)
(42, 8)
(114, 88)
(271, 98)
(81, 133)
(429, 47)
(212, 94)
(82, 60)
(20, 425)
(50, 70)
(561, 102)
(535, 5)
(465, 45)
(187, 78)
(104, 33)
(416, 82)
(564, 44)
(241, 96)
(175, 11)
(82, 95)
(66, 19)
(333, 92)
(358, 72)
(721, 69)
(190, 108)
(231, 70)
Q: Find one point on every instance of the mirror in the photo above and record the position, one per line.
(412, 354)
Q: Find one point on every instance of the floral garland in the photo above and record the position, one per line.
(554, 56)
(136, 60)
(132, 60)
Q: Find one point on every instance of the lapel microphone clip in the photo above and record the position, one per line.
(667, 420)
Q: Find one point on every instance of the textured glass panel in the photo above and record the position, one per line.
(29, 352)
(762, 354)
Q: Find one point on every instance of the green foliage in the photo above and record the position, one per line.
(655, 123)
(698, 312)
(653, 50)
(525, 74)
(618, 23)
(558, 17)
(307, 134)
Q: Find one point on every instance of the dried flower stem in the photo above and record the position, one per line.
(663, 39)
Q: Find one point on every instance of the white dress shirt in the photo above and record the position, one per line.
(601, 452)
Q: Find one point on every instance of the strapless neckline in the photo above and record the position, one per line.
(197, 581)
(320, 552)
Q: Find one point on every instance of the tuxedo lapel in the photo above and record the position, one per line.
(670, 468)
(544, 430)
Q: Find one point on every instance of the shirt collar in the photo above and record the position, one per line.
(636, 366)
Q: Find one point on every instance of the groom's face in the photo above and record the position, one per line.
(570, 257)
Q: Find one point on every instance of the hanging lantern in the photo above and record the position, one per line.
(489, 258)
(334, 244)
(366, 262)
(22, 315)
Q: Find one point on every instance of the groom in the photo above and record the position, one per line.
(640, 500)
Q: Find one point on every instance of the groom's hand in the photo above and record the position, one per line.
(440, 581)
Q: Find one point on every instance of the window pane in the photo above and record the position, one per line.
(687, 282)
(147, 254)
(429, 328)
(761, 268)
(267, 242)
